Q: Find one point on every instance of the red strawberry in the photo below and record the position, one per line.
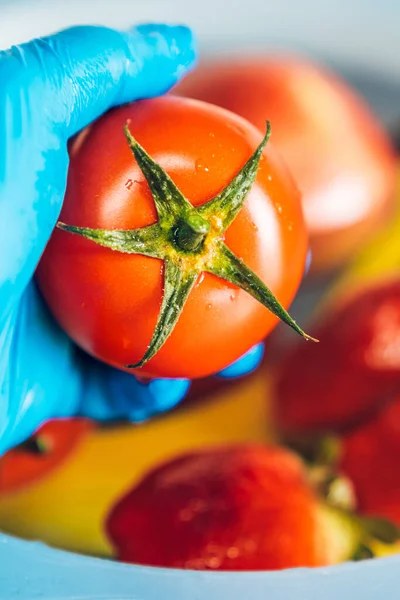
(235, 508)
(351, 373)
(370, 458)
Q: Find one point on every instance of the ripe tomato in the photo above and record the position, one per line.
(338, 153)
(49, 446)
(369, 458)
(107, 301)
(352, 374)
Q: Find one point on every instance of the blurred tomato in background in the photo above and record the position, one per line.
(336, 149)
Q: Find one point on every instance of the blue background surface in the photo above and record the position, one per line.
(30, 570)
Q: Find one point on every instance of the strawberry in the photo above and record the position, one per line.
(369, 457)
(351, 373)
(232, 508)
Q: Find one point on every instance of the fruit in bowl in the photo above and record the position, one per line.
(43, 453)
(233, 508)
(181, 232)
(353, 371)
(369, 456)
(337, 151)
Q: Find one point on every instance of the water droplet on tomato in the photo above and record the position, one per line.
(290, 226)
(232, 552)
(186, 514)
(279, 208)
(254, 226)
(232, 296)
(200, 166)
(129, 184)
(213, 562)
(269, 177)
(209, 306)
(200, 278)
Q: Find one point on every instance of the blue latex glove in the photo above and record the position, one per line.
(49, 90)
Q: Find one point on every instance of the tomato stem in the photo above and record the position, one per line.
(228, 203)
(189, 240)
(191, 232)
(33, 445)
(232, 269)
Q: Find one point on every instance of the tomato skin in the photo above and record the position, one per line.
(20, 468)
(339, 155)
(369, 457)
(352, 373)
(108, 302)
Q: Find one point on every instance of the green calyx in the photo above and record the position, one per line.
(370, 534)
(349, 536)
(360, 536)
(33, 445)
(190, 232)
(189, 240)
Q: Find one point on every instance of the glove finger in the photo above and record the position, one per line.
(246, 364)
(38, 373)
(45, 376)
(98, 68)
(109, 394)
(50, 89)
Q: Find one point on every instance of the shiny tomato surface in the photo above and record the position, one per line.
(352, 373)
(370, 458)
(108, 302)
(338, 153)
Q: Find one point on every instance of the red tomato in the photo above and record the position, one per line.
(370, 459)
(50, 445)
(338, 153)
(107, 301)
(352, 373)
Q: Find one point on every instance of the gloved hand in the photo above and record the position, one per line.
(50, 89)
